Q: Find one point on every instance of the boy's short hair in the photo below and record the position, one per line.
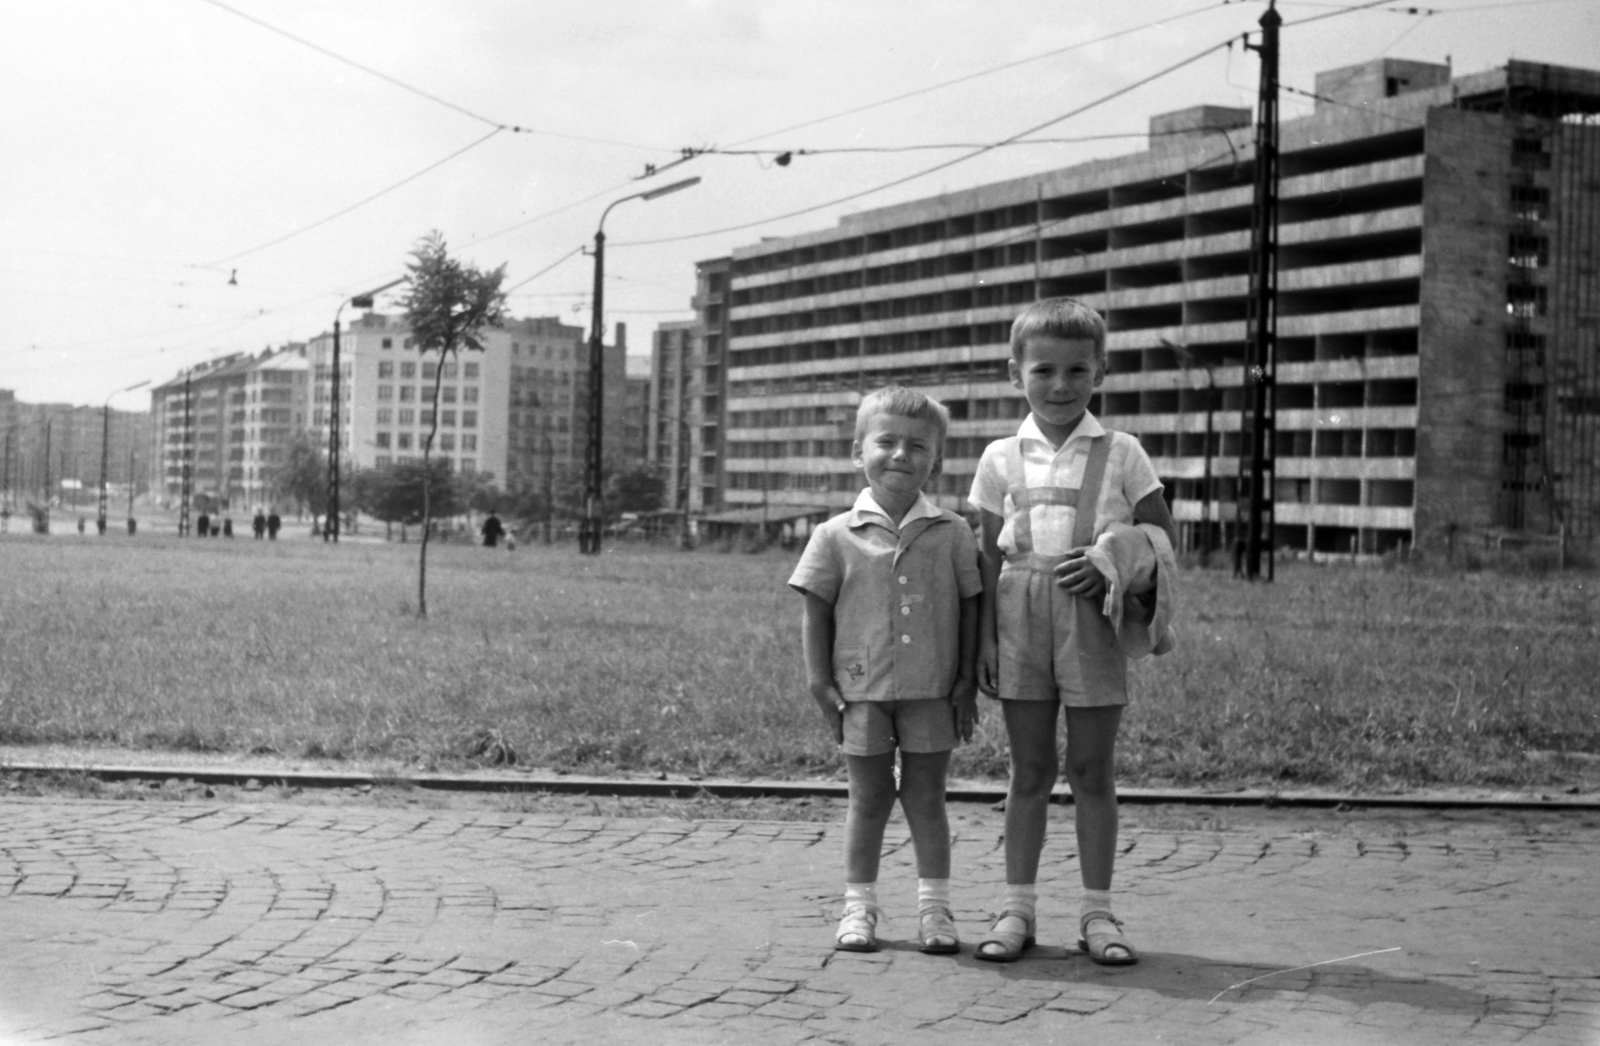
(1059, 318)
(905, 403)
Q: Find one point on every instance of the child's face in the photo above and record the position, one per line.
(1058, 375)
(898, 455)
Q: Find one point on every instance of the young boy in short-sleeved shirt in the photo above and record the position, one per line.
(890, 637)
(1044, 497)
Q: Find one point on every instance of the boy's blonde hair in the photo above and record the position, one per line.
(905, 403)
(1059, 318)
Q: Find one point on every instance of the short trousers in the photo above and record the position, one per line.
(878, 727)
(1041, 657)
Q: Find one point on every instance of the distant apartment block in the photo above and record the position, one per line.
(1438, 349)
(230, 421)
(516, 411)
(54, 451)
(688, 395)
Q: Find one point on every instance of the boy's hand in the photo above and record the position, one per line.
(827, 697)
(964, 706)
(989, 667)
(1080, 576)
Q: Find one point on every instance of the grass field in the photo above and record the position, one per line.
(650, 659)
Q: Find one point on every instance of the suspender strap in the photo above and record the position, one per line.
(1094, 472)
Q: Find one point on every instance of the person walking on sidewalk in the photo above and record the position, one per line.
(890, 639)
(1077, 563)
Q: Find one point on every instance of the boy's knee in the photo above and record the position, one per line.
(1033, 776)
(1091, 776)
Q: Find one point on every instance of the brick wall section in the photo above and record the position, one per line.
(1466, 209)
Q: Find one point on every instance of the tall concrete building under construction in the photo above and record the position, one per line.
(1438, 332)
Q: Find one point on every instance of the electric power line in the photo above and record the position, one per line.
(355, 206)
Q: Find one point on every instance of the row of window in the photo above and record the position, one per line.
(415, 394)
(404, 441)
(408, 369)
(469, 418)
(383, 461)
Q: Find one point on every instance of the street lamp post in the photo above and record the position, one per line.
(105, 451)
(589, 529)
(330, 529)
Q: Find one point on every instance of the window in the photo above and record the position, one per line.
(403, 441)
(469, 419)
(447, 417)
(385, 415)
(447, 441)
(386, 392)
(469, 394)
(388, 343)
(447, 394)
(430, 371)
(408, 393)
(408, 370)
(407, 416)
(469, 370)
(469, 441)
(468, 465)
(426, 417)
(386, 369)
(449, 370)
(383, 440)
(383, 461)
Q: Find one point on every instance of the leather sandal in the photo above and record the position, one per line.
(1099, 945)
(858, 930)
(938, 928)
(1011, 944)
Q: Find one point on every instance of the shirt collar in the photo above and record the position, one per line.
(1088, 428)
(867, 506)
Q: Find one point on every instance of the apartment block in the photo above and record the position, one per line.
(53, 451)
(230, 421)
(1438, 316)
(515, 412)
(688, 396)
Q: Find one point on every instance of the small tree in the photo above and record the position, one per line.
(449, 306)
(302, 477)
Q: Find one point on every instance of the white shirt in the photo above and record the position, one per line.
(1129, 478)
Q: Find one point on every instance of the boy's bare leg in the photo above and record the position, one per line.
(1091, 773)
(922, 777)
(871, 802)
(1031, 729)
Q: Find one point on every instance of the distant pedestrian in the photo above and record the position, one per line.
(1238, 557)
(259, 524)
(227, 526)
(274, 522)
(202, 525)
(80, 524)
(493, 531)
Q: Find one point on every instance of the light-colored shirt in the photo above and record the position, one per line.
(1129, 477)
(896, 593)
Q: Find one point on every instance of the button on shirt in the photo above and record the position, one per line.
(1129, 478)
(896, 595)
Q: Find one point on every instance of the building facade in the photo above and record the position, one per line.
(515, 413)
(687, 420)
(229, 422)
(1437, 366)
(51, 452)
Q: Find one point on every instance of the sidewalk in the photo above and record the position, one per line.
(176, 923)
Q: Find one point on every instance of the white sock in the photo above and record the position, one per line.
(1094, 901)
(1021, 897)
(861, 893)
(932, 893)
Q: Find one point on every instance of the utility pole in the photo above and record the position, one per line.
(330, 527)
(590, 527)
(1261, 363)
(130, 487)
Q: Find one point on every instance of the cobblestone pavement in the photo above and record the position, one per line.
(130, 922)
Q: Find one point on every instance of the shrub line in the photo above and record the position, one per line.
(957, 792)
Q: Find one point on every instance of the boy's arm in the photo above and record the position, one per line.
(1152, 509)
(816, 638)
(989, 559)
(964, 698)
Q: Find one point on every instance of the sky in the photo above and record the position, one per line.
(189, 178)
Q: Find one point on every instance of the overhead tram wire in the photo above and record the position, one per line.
(463, 110)
(981, 73)
(408, 179)
(1195, 57)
